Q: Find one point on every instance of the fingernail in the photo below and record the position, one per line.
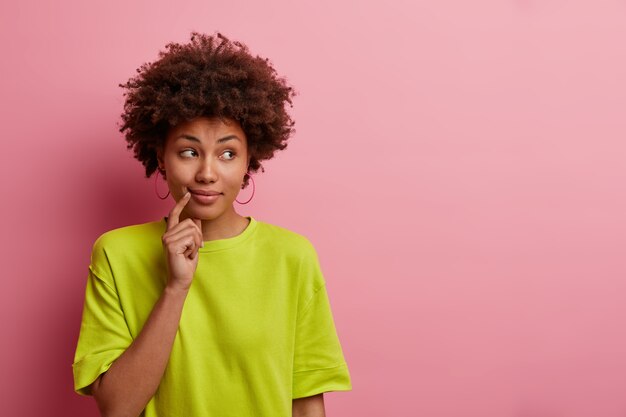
(202, 244)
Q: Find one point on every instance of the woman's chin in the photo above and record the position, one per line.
(204, 213)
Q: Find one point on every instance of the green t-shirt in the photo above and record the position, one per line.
(256, 329)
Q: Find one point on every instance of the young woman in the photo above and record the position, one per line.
(206, 313)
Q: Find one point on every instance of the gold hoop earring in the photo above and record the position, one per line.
(156, 175)
(253, 189)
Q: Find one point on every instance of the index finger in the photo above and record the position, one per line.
(174, 217)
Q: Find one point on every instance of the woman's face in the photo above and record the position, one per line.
(202, 156)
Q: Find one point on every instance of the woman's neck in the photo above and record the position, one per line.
(224, 227)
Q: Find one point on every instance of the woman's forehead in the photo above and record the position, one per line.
(208, 128)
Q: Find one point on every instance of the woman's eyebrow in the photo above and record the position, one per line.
(227, 138)
(195, 139)
(188, 137)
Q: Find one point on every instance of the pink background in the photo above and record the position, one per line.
(459, 166)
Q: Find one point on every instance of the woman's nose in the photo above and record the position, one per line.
(206, 171)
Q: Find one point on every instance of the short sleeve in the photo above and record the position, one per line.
(319, 364)
(104, 334)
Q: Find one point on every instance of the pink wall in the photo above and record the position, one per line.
(460, 167)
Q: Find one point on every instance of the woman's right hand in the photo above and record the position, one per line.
(181, 241)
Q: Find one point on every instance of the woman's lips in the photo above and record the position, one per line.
(204, 199)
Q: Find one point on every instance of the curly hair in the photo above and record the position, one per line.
(210, 76)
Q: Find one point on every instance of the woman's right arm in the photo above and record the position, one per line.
(133, 378)
(130, 382)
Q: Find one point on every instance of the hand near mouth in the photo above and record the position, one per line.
(181, 241)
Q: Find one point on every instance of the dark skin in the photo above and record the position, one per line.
(309, 406)
(196, 156)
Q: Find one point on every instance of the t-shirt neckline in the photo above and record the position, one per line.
(227, 243)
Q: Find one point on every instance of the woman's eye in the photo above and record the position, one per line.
(230, 152)
(188, 152)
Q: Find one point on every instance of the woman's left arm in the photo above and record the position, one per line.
(309, 406)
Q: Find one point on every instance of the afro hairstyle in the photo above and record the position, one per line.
(211, 76)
